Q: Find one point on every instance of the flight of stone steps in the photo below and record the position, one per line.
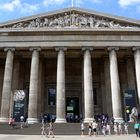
(59, 129)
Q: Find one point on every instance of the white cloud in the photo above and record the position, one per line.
(18, 5)
(10, 6)
(126, 3)
(53, 2)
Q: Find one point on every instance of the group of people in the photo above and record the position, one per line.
(95, 128)
(22, 120)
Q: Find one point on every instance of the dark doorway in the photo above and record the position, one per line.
(72, 109)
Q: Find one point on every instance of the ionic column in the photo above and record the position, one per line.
(6, 91)
(60, 99)
(33, 91)
(137, 69)
(88, 89)
(115, 85)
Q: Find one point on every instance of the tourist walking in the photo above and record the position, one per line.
(90, 129)
(137, 129)
(115, 127)
(50, 129)
(126, 129)
(43, 129)
(120, 129)
(94, 128)
(82, 129)
(108, 129)
(21, 121)
(104, 129)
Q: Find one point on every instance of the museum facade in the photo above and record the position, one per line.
(72, 61)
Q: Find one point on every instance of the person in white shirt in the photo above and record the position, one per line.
(94, 128)
(108, 129)
(126, 129)
(120, 128)
(82, 129)
(21, 121)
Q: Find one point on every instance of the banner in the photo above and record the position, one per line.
(19, 104)
(130, 102)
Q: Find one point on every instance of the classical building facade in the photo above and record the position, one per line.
(69, 62)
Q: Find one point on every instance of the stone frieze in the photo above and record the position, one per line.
(71, 20)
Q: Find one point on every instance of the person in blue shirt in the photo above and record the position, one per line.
(137, 129)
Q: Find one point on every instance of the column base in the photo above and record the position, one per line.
(4, 120)
(32, 120)
(87, 120)
(60, 120)
(118, 120)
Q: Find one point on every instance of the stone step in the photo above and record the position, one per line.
(59, 129)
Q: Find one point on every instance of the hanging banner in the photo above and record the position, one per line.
(130, 102)
(19, 104)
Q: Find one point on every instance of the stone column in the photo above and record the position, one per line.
(33, 89)
(88, 89)
(137, 69)
(7, 82)
(107, 86)
(115, 85)
(61, 99)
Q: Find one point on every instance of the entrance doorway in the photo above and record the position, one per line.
(72, 109)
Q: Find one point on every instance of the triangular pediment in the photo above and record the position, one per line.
(72, 18)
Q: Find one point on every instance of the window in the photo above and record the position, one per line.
(51, 96)
(95, 96)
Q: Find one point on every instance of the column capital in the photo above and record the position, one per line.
(9, 49)
(135, 48)
(33, 49)
(60, 48)
(113, 48)
(87, 48)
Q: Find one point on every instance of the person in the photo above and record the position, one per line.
(104, 129)
(137, 129)
(21, 121)
(10, 120)
(115, 129)
(108, 129)
(126, 128)
(120, 129)
(43, 130)
(50, 130)
(90, 129)
(94, 128)
(82, 129)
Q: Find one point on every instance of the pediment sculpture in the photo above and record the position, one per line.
(71, 20)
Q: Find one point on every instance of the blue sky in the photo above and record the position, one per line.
(13, 9)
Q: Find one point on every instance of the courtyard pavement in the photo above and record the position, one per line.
(59, 137)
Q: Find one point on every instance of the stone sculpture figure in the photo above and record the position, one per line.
(66, 20)
(83, 21)
(46, 22)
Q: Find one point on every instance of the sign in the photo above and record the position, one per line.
(19, 104)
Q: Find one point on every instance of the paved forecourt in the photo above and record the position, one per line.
(62, 137)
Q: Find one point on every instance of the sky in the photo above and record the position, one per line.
(14, 9)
